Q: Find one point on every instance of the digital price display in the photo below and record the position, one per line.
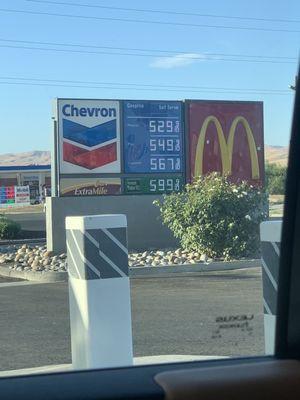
(155, 185)
(153, 136)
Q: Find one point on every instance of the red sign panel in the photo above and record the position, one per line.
(227, 137)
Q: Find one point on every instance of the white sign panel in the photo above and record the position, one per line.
(22, 195)
(88, 136)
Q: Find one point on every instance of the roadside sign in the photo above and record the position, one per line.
(226, 136)
(12, 196)
(110, 147)
(153, 136)
(22, 195)
(153, 184)
(92, 186)
(88, 136)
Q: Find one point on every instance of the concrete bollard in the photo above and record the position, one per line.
(99, 292)
(270, 236)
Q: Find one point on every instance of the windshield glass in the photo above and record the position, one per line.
(142, 170)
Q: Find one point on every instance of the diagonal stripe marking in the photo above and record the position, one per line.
(73, 260)
(108, 260)
(276, 248)
(87, 262)
(267, 271)
(267, 307)
(115, 240)
(112, 264)
(91, 239)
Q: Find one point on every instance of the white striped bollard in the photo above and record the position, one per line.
(99, 292)
(270, 237)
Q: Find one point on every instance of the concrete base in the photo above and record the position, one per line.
(145, 229)
(100, 323)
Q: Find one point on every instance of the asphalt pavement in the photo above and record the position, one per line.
(30, 221)
(6, 280)
(176, 315)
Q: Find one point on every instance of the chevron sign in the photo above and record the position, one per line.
(89, 136)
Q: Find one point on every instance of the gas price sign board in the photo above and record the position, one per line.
(12, 196)
(153, 136)
(153, 185)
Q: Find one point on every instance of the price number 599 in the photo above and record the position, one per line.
(164, 185)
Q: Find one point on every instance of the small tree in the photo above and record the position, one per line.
(275, 178)
(215, 217)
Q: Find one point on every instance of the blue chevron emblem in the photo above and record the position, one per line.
(89, 136)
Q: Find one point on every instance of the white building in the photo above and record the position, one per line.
(37, 177)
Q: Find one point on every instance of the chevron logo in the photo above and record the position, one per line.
(89, 147)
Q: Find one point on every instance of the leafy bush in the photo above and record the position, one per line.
(215, 217)
(8, 229)
(275, 178)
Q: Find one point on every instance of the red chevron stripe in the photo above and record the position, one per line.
(89, 159)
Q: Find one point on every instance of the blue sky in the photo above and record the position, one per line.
(25, 110)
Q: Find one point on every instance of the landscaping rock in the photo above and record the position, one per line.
(18, 257)
(38, 258)
(48, 254)
(35, 265)
(203, 258)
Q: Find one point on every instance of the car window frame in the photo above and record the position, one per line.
(287, 339)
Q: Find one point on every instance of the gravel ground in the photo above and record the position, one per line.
(32, 258)
(37, 258)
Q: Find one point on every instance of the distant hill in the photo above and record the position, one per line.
(273, 154)
(26, 158)
(276, 154)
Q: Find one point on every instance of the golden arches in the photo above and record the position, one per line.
(251, 144)
(226, 148)
(201, 142)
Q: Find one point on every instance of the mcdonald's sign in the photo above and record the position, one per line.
(227, 137)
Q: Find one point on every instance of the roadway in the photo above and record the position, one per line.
(29, 221)
(176, 315)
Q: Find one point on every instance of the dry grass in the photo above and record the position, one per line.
(37, 208)
(276, 155)
(276, 199)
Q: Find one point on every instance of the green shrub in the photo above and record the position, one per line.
(8, 229)
(215, 217)
(275, 178)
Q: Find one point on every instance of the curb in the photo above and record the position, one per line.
(22, 241)
(137, 272)
(47, 277)
(193, 268)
